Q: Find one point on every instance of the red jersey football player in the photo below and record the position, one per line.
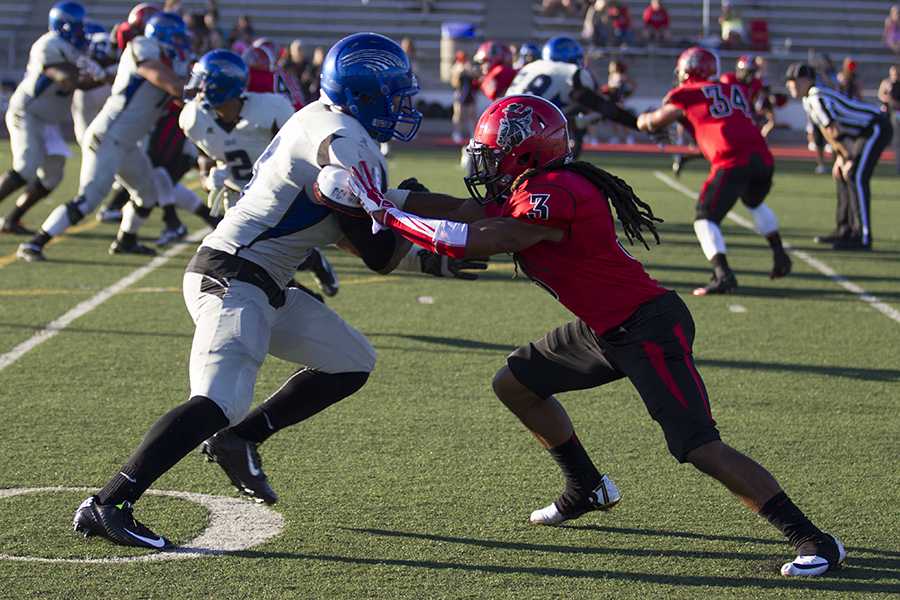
(556, 216)
(496, 67)
(719, 117)
(134, 26)
(747, 73)
(266, 77)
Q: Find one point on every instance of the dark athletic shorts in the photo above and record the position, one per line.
(721, 190)
(166, 147)
(652, 348)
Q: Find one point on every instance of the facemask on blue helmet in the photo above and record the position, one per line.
(563, 49)
(67, 20)
(219, 76)
(369, 77)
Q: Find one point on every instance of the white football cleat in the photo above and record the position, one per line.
(605, 496)
(813, 565)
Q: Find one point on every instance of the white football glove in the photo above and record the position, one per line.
(89, 67)
(220, 200)
(216, 178)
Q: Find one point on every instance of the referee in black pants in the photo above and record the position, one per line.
(857, 132)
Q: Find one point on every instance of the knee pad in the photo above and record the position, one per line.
(764, 219)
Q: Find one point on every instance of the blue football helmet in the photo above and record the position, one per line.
(369, 76)
(529, 53)
(169, 30)
(219, 76)
(563, 49)
(67, 19)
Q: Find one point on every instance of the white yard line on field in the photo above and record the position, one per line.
(54, 327)
(889, 311)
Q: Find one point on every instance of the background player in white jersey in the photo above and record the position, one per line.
(38, 106)
(561, 78)
(235, 289)
(150, 72)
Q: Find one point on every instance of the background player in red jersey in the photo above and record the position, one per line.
(496, 68)
(266, 77)
(747, 72)
(555, 216)
(719, 117)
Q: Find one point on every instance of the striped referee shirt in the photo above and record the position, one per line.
(826, 106)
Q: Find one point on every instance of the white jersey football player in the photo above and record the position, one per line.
(86, 104)
(235, 289)
(552, 80)
(39, 106)
(148, 75)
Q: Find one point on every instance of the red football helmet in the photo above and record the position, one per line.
(259, 58)
(493, 53)
(267, 45)
(696, 64)
(514, 134)
(141, 13)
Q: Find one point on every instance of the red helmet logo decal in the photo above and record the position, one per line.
(515, 126)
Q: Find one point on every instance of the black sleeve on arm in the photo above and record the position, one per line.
(376, 250)
(587, 98)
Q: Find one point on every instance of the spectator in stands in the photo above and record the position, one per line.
(311, 75)
(593, 30)
(172, 6)
(551, 7)
(215, 33)
(296, 64)
(734, 35)
(848, 80)
(462, 77)
(656, 23)
(410, 48)
(196, 25)
(892, 29)
(242, 35)
(620, 23)
(618, 88)
(889, 95)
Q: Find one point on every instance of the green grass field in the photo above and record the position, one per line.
(420, 485)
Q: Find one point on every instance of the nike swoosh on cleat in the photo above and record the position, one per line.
(252, 467)
(810, 566)
(156, 543)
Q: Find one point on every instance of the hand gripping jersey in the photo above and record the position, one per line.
(135, 105)
(237, 147)
(720, 118)
(589, 271)
(276, 223)
(550, 80)
(38, 94)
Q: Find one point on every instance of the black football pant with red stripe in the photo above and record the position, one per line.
(652, 348)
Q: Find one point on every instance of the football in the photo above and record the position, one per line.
(332, 189)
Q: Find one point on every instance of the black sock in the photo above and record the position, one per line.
(169, 440)
(304, 394)
(34, 193)
(790, 520)
(775, 244)
(41, 238)
(119, 201)
(203, 212)
(720, 265)
(10, 182)
(126, 239)
(170, 217)
(580, 473)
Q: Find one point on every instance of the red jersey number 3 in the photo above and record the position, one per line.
(539, 207)
(721, 106)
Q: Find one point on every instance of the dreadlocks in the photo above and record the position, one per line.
(633, 213)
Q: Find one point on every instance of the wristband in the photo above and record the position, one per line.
(397, 197)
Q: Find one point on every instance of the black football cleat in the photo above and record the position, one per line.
(816, 558)
(718, 285)
(829, 238)
(14, 227)
(322, 271)
(242, 464)
(851, 243)
(30, 253)
(604, 497)
(123, 247)
(116, 523)
(781, 265)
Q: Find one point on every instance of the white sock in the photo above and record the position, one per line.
(131, 221)
(57, 221)
(185, 199)
(710, 237)
(764, 219)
